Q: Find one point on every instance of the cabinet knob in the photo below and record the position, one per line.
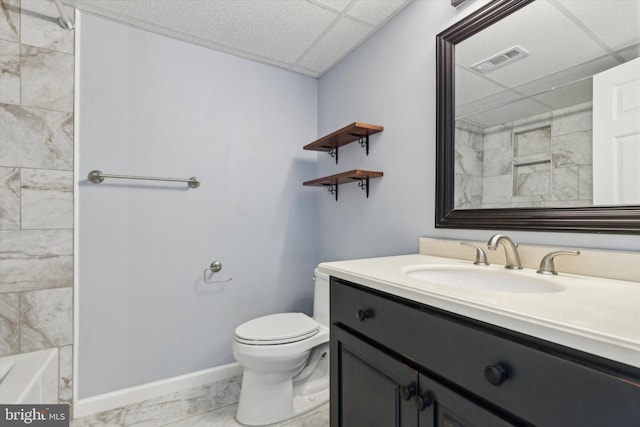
(423, 401)
(495, 374)
(408, 391)
(364, 314)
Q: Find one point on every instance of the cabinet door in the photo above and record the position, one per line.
(371, 388)
(368, 387)
(450, 409)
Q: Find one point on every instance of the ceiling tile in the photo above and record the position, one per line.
(276, 32)
(616, 25)
(375, 12)
(338, 5)
(334, 45)
(535, 28)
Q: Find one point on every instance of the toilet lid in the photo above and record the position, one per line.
(277, 329)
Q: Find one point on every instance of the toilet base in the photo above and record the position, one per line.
(268, 399)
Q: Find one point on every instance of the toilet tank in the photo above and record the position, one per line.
(321, 298)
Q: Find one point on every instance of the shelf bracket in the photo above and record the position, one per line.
(333, 189)
(333, 152)
(363, 184)
(363, 140)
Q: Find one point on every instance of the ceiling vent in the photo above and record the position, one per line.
(501, 59)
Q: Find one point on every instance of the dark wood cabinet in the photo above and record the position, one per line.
(395, 362)
(376, 389)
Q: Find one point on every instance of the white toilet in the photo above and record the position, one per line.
(285, 357)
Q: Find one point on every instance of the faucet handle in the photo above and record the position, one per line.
(547, 266)
(481, 256)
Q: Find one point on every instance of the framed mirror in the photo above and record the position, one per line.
(538, 117)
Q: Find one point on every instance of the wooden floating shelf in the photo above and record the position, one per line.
(332, 181)
(356, 131)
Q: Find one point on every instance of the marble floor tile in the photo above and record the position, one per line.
(9, 72)
(10, 20)
(168, 408)
(46, 199)
(40, 27)
(46, 78)
(225, 417)
(10, 196)
(9, 326)
(46, 319)
(36, 138)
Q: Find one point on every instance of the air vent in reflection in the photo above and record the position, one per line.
(501, 59)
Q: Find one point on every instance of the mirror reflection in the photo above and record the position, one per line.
(547, 108)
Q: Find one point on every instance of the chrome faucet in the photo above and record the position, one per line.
(510, 250)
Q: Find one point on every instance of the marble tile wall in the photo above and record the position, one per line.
(469, 161)
(36, 183)
(543, 161)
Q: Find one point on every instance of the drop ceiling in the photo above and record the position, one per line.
(304, 36)
(567, 42)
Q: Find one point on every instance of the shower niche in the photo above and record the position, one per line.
(531, 163)
(539, 161)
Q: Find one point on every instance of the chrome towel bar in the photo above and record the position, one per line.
(97, 177)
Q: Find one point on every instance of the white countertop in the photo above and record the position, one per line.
(592, 314)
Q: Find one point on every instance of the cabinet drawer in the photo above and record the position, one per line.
(540, 387)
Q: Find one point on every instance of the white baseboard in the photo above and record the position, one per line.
(131, 395)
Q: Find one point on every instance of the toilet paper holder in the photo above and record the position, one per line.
(215, 267)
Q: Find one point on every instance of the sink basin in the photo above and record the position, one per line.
(481, 278)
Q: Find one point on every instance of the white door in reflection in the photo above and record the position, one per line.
(616, 135)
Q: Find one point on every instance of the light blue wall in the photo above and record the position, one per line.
(149, 105)
(390, 80)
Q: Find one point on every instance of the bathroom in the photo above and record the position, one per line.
(126, 306)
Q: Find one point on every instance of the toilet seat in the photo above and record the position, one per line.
(280, 328)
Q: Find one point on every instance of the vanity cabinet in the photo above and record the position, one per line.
(395, 362)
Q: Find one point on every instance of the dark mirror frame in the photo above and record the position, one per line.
(601, 219)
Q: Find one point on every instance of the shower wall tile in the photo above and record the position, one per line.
(35, 259)
(468, 161)
(497, 189)
(36, 138)
(497, 162)
(46, 319)
(572, 119)
(585, 183)
(40, 27)
(40, 244)
(10, 20)
(47, 199)
(498, 137)
(9, 329)
(9, 72)
(533, 183)
(36, 163)
(468, 135)
(463, 187)
(36, 273)
(532, 142)
(65, 382)
(47, 79)
(10, 196)
(572, 149)
(565, 183)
